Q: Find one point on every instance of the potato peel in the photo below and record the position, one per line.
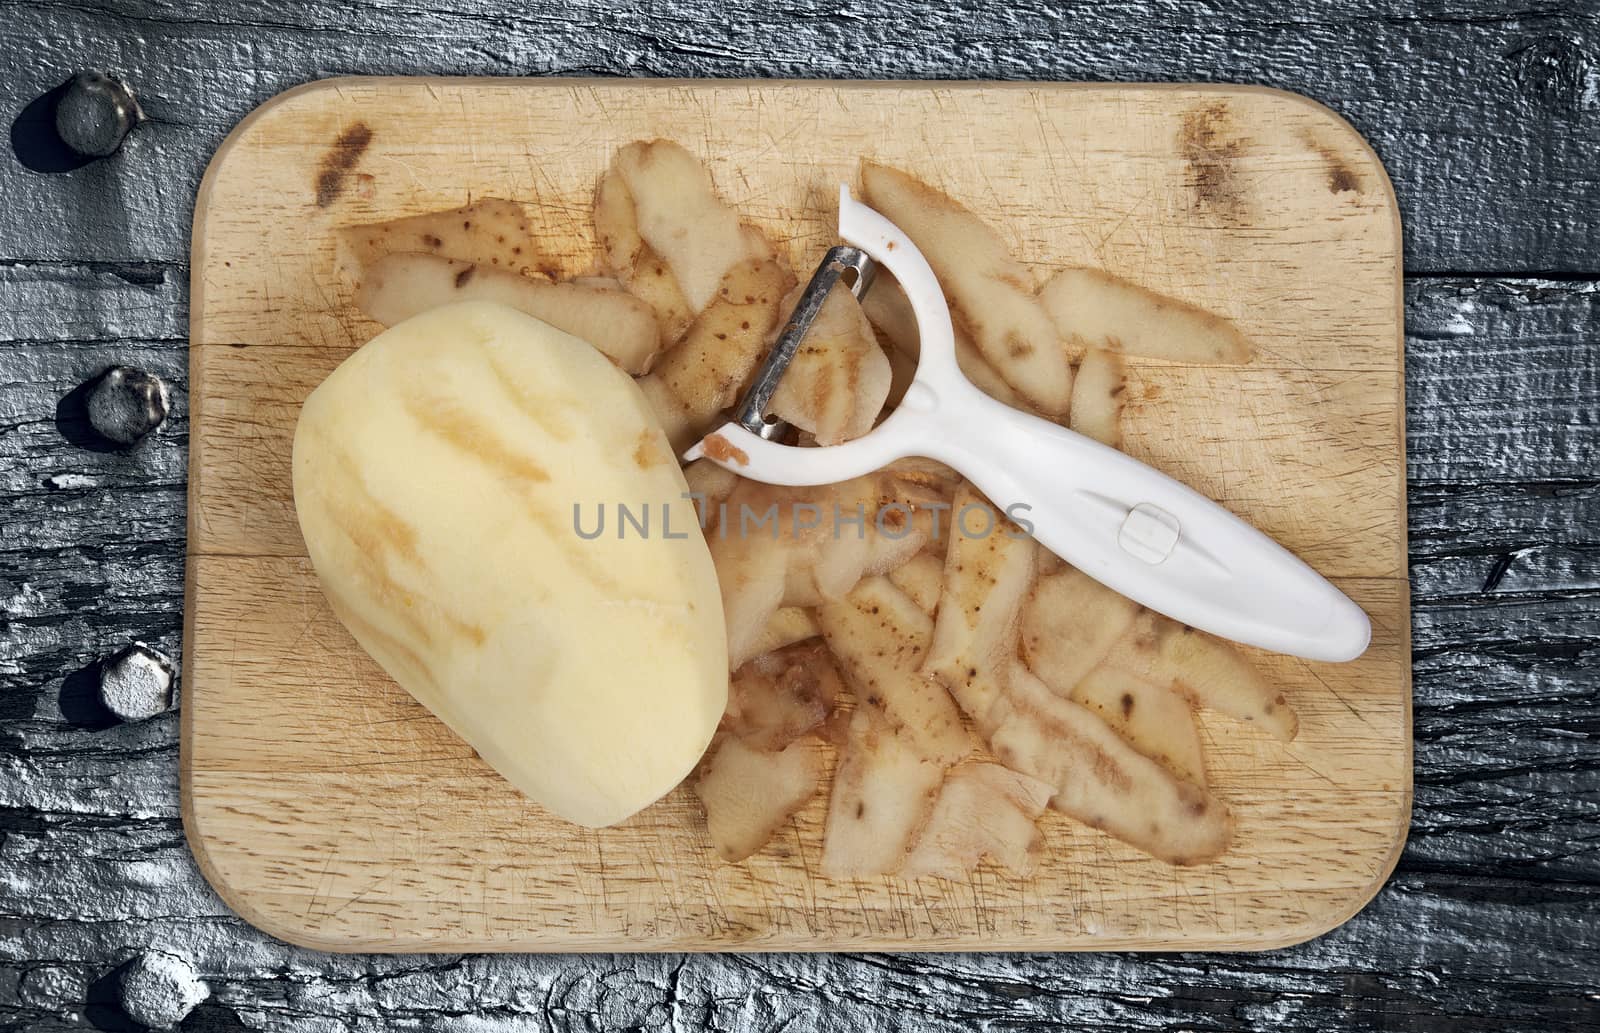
(681, 217)
(986, 578)
(983, 810)
(491, 233)
(1203, 667)
(1154, 719)
(1101, 780)
(880, 636)
(1098, 393)
(780, 696)
(621, 327)
(749, 793)
(839, 378)
(634, 263)
(990, 293)
(725, 343)
(1091, 308)
(787, 626)
(922, 578)
(883, 789)
(1070, 622)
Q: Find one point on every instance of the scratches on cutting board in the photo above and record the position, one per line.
(1211, 145)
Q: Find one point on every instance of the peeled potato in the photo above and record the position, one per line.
(397, 287)
(991, 294)
(1094, 309)
(435, 475)
(491, 234)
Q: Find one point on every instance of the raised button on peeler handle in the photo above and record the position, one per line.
(1131, 527)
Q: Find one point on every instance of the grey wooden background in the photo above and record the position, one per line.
(1488, 117)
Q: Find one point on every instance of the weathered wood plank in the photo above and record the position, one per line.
(1481, 111)
(1502, 381)
(82, 302)
(1430, 953)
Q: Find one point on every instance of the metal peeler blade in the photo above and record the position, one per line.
(836, 265)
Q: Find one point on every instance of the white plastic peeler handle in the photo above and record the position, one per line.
(1125, 524)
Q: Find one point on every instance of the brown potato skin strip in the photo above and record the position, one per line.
(749, 794)
(986, 579)
(1100, 779)
(1211, 672)
(491, 233)
(1092, 308)
(983, 810)
(1099, 390)
(725, 344)
(634, 263)
(992, 296)
(883, 789)
(879, 637)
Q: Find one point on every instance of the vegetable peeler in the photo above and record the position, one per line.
(1134, 529)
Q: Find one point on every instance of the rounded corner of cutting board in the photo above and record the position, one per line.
(212, 856)
(1338, 912)
(291, 98)
(1352, 144)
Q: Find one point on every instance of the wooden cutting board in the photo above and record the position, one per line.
(329, 809)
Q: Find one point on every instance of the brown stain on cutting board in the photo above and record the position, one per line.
(1343, 177)
(337, 163)
(1211, 146)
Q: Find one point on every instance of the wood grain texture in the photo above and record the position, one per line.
(331, 810)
